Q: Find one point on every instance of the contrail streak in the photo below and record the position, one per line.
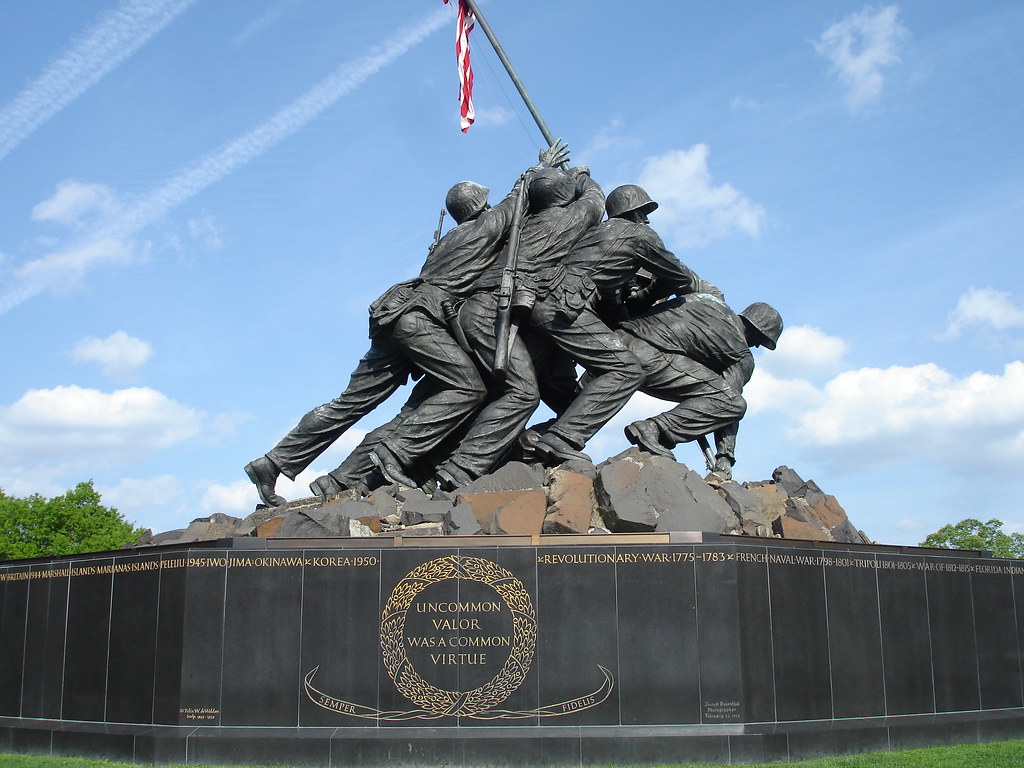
(219, 163)
(116, 37)
(105, 245)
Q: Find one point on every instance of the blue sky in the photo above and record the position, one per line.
(202, 198)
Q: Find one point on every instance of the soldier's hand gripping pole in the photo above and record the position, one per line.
(514, 76)
(504, 331)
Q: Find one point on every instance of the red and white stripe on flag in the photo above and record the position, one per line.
(463, 26)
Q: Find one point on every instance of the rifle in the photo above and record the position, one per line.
(505, 330)
(437, 232)
(705, 448)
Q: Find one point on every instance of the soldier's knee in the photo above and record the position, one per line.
(479, 395)
(471, 394)
(474, 391)
(633, 369)
(524, 395)
(738, 407)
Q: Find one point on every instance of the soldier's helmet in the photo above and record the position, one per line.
(628, 197)
(550, 187)
(466, 200)
(766, 320)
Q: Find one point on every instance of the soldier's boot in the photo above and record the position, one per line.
(646, 436)
(451, 476)
(329, 485)
(264, 473)
(391, 466)
(527, 447)
(555, 450)
(722, 472)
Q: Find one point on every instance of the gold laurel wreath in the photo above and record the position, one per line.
(524, 636)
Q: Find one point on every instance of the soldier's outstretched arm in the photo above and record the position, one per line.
(554, 156)
(674, 276)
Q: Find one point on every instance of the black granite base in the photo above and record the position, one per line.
(631, 649)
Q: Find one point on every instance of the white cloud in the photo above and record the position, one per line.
(221, 425)
(102, 48)
(693, 211)
(608, 136)
(63, 270)
(48, 481)
(75, 200)
(73, 424)
(875, 416)
(984, 307)
(135, 498)
(858, 47)
(238, 499)
(765, 393)
(491, 116)
(803, 351)
(119, 356)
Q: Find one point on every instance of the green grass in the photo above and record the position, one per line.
(997, 754)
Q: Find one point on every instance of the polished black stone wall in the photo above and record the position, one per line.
(352, 634)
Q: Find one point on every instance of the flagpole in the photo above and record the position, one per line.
(548, 136)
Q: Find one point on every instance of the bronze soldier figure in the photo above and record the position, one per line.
(695, 351)
(563, 206)
(605, 259)
(409, 334)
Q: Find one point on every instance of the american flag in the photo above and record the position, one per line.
(463, 26)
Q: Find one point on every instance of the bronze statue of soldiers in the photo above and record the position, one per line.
(695, 351)
(409, 333)
(605, 259)
(563, 206)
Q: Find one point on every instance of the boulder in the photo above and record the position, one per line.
(796, 529)
(204, 529)
(464, 522)
(423, 529)
(383, 502)
(828, 511)
(757, 507)
(417, 507)
(570, 500)
(145, 537)
(514, 476)
(846, 533)
(788, 479)
(332, 519)
(167, 537)
(631, 492)
(359, 529)
(249, 525)
(636, 491)
(510, 512)
(268, 529)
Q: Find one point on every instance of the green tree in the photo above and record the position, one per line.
(974, 534)
(63, 525)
